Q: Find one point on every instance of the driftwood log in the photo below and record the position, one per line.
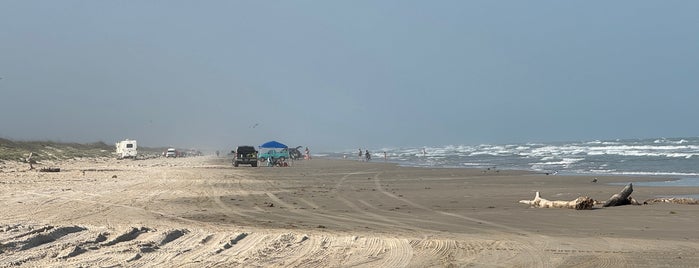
(50, 169)
(31, 161)
(579, 203)
(622, 198)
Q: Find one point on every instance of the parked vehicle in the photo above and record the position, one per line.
(246, 155)
(126, 149)
(275, 154)
(295, 153)
(171, 152)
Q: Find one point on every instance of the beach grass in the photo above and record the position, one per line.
(52, 150)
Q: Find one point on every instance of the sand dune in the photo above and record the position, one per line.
(202, 212)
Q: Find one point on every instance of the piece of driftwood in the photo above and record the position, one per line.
(579, 203)
(31, 161)
(622, 198)
(673, 200)
(50, 169)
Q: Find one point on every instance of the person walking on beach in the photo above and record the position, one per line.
(360, 153)
(308, 154)
(368, 156)
(385, 156)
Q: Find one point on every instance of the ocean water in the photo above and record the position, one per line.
(662, 157)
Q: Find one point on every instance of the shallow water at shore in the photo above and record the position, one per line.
(683, 182)
(695, 196)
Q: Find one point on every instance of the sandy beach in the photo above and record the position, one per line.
(202, 212)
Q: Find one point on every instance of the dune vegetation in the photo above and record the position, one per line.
(52, 150)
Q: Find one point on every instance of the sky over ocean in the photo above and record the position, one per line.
(332, 75)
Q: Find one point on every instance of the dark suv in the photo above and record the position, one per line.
(245, 155)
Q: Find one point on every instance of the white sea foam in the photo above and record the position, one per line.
(602, 171)
(683, 151)
(663, 140)
(598, 156)
(561, 164)
(564, 161)
(482, 153)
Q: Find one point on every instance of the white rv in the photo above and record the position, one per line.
(126, 149)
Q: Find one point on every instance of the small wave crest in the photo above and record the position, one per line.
(661, 156)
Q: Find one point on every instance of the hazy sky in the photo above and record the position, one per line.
(346, 74)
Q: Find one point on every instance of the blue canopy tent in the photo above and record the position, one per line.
(273, 144)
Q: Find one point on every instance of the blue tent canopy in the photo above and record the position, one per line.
(273, 144)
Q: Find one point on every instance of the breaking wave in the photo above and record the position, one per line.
(655, 157)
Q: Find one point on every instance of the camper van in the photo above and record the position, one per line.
(126, 149)
(171, 152)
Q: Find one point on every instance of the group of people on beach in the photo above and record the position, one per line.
(367, 155)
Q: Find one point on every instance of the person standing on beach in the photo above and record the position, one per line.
(368, 156)
(360, 153)
(308, 154)
(385, 156)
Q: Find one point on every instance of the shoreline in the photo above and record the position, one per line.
(665, 177)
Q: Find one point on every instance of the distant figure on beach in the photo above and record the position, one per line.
(308, 154)
(217, 153)
(385, 156)
(368, 156)
(360, 153)
(552, 173)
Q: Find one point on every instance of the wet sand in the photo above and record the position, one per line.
(202, 212)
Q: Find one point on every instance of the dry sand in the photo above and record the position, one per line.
(202, 212)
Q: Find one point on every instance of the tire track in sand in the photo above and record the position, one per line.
(333, 219)
(377, 182)
(371, 216)
(534, 254)
(109, 204)
(380, 252)
(214, 194)
(411, 218)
